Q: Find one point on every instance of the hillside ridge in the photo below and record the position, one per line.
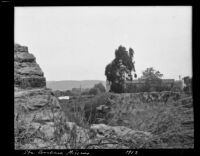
(69, 84)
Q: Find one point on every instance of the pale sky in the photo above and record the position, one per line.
(76, 43)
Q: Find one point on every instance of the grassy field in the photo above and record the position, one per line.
(170, 121)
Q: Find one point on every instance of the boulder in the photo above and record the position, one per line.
(27, 73)
(76, 136)
(24, 57)
(103, 130)
(37, 116)
(119, 136)
(32, 81)
(19, 48)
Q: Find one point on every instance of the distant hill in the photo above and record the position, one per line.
(69, 84)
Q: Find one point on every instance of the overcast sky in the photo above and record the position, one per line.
(76, 43)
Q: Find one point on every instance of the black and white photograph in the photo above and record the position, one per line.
(103, 77)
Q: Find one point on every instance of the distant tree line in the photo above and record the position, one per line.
(96, 89)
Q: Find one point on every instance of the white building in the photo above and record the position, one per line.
(63, 98)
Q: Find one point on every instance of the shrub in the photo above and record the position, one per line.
(94, 91)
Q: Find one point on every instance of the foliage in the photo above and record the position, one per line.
(166, 120)
(188, 82)
(85, 91)
(94, 91)
(59, 93)
(97, 89)
(170, 121)
(132, 89)
(119, 70)
(101, 87)
(90, 106)
(153, 81)
(76, 91)
(151, 73)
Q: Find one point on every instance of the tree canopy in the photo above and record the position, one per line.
(151, 73)
(98, 88)
(152, 79)
(119, 70)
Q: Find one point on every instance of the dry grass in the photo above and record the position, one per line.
(171, 122)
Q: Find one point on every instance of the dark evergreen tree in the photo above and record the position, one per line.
(119, 70)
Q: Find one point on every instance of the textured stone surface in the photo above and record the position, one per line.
(24, 57)
(103, 130)
(119, 136)
(27, 73)
(19, 48)
(76, 136)
(103, 136)
(37, 112)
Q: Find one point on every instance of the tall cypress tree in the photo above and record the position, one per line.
(120, 69)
